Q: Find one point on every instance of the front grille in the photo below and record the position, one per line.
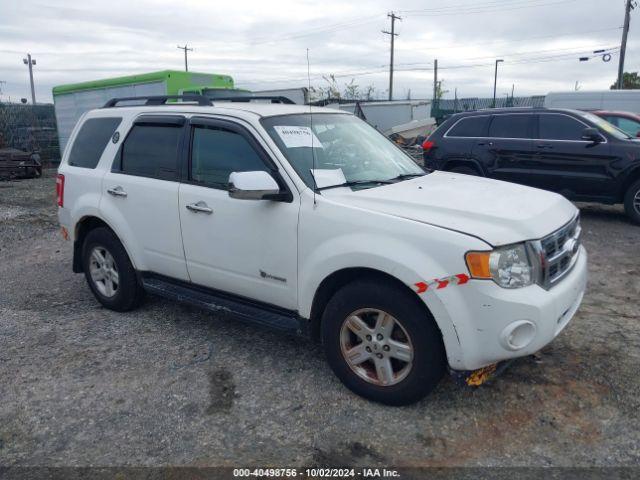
(558, 252)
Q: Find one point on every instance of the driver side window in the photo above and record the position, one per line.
(216, 152)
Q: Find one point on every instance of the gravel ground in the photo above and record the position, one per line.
(171, 385)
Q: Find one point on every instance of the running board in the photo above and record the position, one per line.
(264, 315)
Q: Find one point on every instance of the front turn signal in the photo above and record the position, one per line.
(478, 264)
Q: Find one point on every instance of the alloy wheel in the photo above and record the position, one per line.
(376, 347)
(104, 271)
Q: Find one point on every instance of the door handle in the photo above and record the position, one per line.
(482, 144)
(200, 207)
(542, 145)
(117, 191)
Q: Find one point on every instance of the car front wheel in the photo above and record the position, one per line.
(382, 343)
(632, 202)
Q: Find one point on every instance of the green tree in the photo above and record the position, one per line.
(630, 81)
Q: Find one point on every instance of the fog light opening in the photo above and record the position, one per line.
(518, 335)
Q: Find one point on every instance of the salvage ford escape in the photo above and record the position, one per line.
(311, 222)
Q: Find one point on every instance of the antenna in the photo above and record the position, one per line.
(313, 152)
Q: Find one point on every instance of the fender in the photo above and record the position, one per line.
(408, 262)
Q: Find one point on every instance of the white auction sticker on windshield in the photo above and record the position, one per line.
(298, 137)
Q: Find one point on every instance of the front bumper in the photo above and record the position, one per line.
(495, 324)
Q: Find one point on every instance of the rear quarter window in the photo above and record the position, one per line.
(91, 141)
(469, 127)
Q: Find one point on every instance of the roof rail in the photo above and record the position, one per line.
(161, 100)
(273, 99)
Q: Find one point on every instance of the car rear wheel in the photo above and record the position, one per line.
(109, 272)
(632, 202)
(382, 344)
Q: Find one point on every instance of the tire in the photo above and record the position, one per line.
(465, 170)
(632, 202)
(414, 327)
(116, 270)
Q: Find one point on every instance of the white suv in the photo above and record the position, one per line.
(310, 221)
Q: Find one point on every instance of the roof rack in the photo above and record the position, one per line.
(273, 99)
(161, 100)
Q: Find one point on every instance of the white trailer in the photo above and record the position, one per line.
(625, 100)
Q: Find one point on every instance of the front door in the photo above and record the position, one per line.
(244, 247)
(569, 165)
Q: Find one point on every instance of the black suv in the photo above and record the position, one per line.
(574, 153)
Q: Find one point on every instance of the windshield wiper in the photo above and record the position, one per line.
(354, 183)
(405, 176)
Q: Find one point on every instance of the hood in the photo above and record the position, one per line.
(498, 212)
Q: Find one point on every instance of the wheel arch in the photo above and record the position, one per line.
(81, 229)
(632, 178)
(464, 162)
(338, 279)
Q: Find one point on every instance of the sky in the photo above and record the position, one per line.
(263, 44)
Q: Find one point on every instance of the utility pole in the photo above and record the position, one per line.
(495, 82)
(393, 34)
(186, 49)
(31, 62)
(435, 80)
(623, 46)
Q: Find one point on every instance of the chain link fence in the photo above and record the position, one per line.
(31, 128)
(444, 107)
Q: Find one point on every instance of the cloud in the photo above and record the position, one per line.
(263, 44)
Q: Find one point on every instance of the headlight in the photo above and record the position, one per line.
(509, 266)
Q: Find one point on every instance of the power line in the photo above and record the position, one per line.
(521, 39)
(484, 9)
(320, 29)
(477, 5)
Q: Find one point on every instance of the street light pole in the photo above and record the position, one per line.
(495, 81)
(31, 62)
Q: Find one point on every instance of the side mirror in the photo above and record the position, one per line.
(638, 134)
(253, 186)
(592, 135)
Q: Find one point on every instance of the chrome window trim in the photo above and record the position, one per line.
(560, 140)
(446, 135)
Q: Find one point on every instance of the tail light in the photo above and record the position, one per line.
(60, 189)
(427, 145)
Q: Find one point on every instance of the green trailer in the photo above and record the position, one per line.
(73, 100)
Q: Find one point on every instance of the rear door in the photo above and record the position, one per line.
(507, 151)
(569, 165)
(140, 194)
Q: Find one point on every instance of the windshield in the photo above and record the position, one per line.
(606, 126)
(346, 150)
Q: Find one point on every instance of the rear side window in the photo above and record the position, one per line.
(152, 151)
(91, 141)
(469, 127)
(216, 152)
(560, 127)
(510, 126)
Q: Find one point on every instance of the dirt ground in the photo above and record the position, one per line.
(171, 385)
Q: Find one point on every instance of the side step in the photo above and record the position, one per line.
(261, 314)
